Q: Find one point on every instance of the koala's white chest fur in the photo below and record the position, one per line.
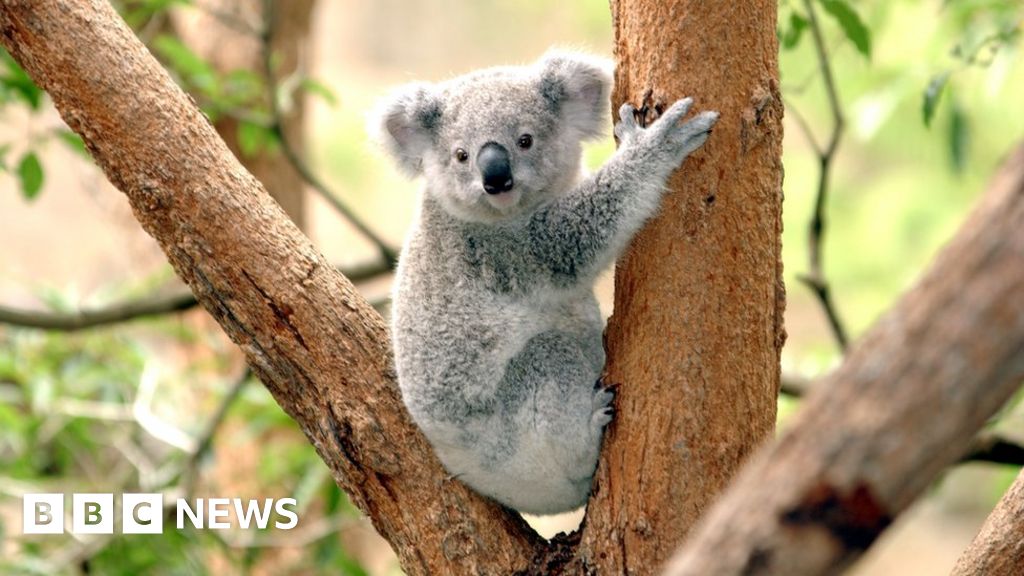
(497, 335)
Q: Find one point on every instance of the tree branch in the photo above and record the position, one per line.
(905, 404)
(137, 309)
(84, 319)
(205, 440)
(319, 347)
(995, 448)
(291, 154)
(988, 446)
(815, 278)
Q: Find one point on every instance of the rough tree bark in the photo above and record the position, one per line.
(313, 341)
(904, 405)
(998, 549)
(695, 339)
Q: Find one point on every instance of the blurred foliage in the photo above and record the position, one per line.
(240, 94)
(900, 187)
(77, 414)
(930, 91)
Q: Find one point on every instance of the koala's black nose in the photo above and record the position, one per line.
(493, 162)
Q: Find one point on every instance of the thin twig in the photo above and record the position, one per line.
(83, 319)
(136, 309)
(228, 19)
(291, 154)
(804, 125)
(205, 440)
(815, 279)
(991, 447)
(794, 385)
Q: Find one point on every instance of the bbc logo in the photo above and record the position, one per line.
(93, 513)
(144, 513)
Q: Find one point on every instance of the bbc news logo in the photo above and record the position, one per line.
(144, 513)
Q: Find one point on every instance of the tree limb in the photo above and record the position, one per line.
(815, 278)
(142, 308)
(314, 342)
(995, 448)
(113, 314)
(905, 404)
(292, 155)
(987, 447)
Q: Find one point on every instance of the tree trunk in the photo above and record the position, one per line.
(998, 549)
(314, 342)
(695, 339)
(227, 34)
(904, 405)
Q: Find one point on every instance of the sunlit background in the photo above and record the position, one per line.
(121, 407)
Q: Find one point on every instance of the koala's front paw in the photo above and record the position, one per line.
(627, 129)
(666, 134)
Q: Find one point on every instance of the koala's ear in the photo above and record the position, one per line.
(406, 123)
(578, 87)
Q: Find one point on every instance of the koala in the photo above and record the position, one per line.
(497, 333)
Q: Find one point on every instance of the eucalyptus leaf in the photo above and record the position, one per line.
(30, 173)
(16, 81)
(319, 89)
(932, 94)
(254, 138)
(791, 37)
(853, 27)
(193, 68)
(73, 141)
(959, 137)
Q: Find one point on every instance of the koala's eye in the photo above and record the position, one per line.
(525, 141)
(461, 155)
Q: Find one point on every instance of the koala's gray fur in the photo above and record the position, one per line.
(497, 333)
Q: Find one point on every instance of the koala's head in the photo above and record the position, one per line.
(500, 142)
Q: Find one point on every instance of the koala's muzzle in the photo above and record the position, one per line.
(495, 168)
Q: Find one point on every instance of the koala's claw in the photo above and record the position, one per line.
(602, 417)
(694, 133)
(686, 137)
(670, 119)
(601, 405)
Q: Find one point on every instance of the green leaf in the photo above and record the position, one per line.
(319, 89)
(959, 137)
(73, 141)
(242, 89)
(791, 37)
(30, 172)
(16, 81)
(932, 94)
(851, 24)
(4, 150)
(254, 138)
(187, 63)
(139, 12)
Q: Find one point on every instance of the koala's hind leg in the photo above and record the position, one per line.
(563, 408)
